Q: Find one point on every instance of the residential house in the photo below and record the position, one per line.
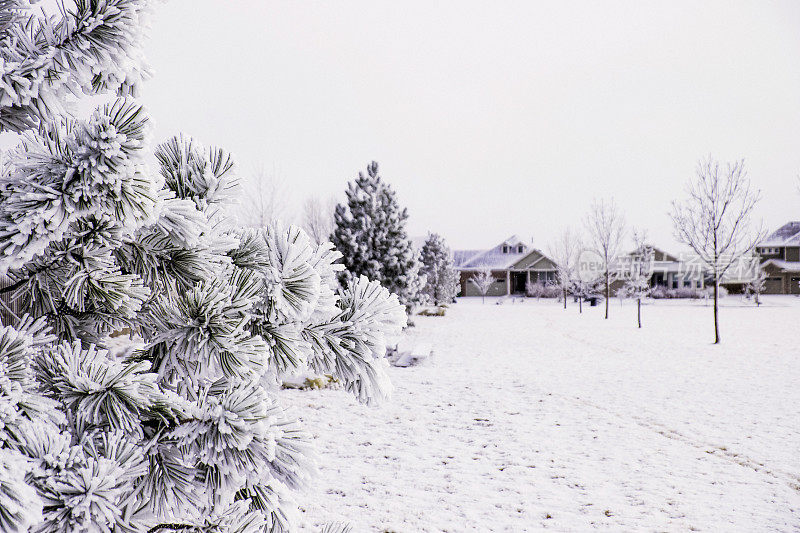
(513, 264)
(780, 259)
(666, 270)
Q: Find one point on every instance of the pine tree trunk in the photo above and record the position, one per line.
(716, 311)
(639, 311)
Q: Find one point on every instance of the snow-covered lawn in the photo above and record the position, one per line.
(531, 417)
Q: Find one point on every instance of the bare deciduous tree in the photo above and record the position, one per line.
(265, 198)
(483, 281)
(606, 228)
(318, 218)
(757, 284)
(565, 253)
(637, 284)
(714, 219)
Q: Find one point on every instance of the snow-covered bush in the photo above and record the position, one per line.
(538, 289)
(687, 293)
(722, 292)
(664, 293)
(659, 292)
(183, 433)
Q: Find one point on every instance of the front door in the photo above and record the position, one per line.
(518, 282)
(794, 285)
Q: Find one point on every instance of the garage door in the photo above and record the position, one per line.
(794, 286)
(774, 286)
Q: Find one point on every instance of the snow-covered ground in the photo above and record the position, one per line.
(531, 417)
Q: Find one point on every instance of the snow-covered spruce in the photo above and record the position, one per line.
(441, 278)
(182, 432)
(370, 232)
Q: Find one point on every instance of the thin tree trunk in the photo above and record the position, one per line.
(565, 297)
(639, 311)
(608, 289)
(580, 304)
(716, 312)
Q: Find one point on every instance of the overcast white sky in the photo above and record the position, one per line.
(490, 118)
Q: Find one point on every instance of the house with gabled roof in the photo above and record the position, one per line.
(513, 263)
(666, 270)
(780, 259)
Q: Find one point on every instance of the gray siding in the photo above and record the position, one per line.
(498, 288)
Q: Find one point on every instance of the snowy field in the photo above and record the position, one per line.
(531, 417)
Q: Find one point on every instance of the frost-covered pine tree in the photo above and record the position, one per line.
(370, 233)
(441, 278)
(180, 431)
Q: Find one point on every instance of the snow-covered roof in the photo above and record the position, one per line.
(513, 241)
(460, 257)
(786, 235)
(786, 266)
(495, 258)
(658, 252)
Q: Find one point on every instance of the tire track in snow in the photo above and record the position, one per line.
(720, 451)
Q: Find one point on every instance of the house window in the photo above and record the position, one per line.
(505, 249)
(519, 249)
(501, 280)
(687, 283)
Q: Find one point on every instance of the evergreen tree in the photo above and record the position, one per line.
(180, 431)
(370, 233)
(441, 278)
